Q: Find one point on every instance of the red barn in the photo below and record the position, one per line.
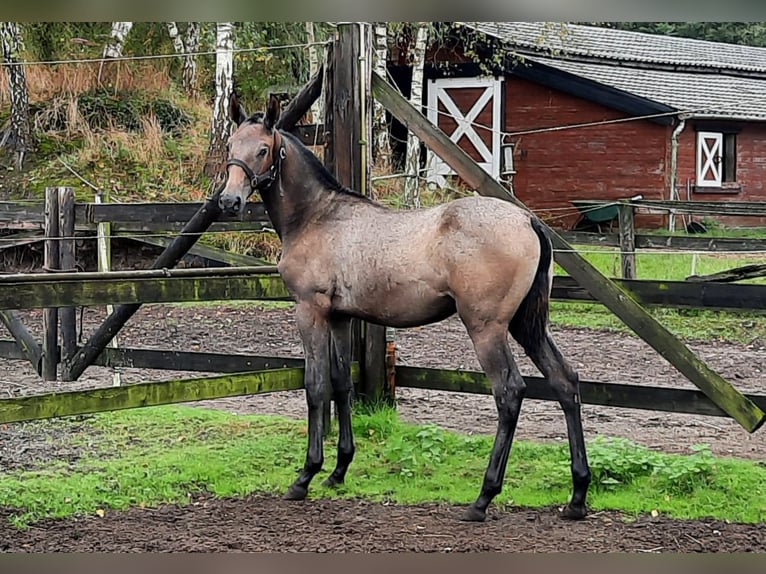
(570, 112)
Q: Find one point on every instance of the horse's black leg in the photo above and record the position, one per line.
(315, 334)
(340, 377)
(564, 380)
(508, 388)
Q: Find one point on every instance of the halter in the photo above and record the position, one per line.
(267, 178)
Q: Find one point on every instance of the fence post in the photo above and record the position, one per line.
(67, 262)
(51, 264)
(348, 117)
(627, 240)
(104, 263)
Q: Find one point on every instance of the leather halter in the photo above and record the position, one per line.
(267, 178)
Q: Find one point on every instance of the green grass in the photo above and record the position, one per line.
(661, 265)
(144, 457)
(690, 324)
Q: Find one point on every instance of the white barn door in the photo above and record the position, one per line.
(709, 159)
(468, 110)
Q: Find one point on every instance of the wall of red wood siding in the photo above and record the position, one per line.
(600, 162)
(751, 171)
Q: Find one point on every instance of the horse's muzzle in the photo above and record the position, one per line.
(230, 202)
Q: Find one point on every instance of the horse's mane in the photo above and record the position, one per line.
(320, 171)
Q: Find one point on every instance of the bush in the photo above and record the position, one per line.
(101, 109)
(619, 461)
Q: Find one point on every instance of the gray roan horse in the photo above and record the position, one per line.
(345, 256)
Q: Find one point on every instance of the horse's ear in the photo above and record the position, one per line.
(236, 109)
(272, 113)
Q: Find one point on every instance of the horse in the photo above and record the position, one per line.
(347, 256)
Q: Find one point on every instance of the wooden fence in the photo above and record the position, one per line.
(61, 288)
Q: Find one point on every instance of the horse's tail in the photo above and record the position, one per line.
(529, 325)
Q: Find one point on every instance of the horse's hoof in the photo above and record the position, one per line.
(573, 512)
(332, 481)
(296, 492)
(473, 514)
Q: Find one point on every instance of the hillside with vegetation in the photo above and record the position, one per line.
(128, 127)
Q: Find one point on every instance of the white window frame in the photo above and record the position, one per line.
(710, 171)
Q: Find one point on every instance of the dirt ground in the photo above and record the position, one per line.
(264, 523)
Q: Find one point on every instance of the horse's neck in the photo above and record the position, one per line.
(295, 199)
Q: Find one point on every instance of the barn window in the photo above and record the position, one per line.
(716, 159)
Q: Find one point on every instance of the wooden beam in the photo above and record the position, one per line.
(52, 405)
(50, 357)
(301, 103)
(159, 212)
(67, 262)
(169, 359)
(139, 395)
(740, 208)
(25, 344)
(739, 407)
(627, 241)
(631, 396)
(677, 294)
(135, 291)
(736, 274)
(699, 242)
(208, 252)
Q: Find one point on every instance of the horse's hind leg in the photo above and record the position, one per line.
(315, 334)
(340, 377)
(508, 388)
(564, 381)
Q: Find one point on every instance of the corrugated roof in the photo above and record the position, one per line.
(625, 46)
(638, 63)
(708, 95)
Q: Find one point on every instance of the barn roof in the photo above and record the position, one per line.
(701, 78)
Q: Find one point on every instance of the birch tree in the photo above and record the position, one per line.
(412, 161)
(187, 47)
(120, 31)
(316, 107)
(19, 136)
(113, 48)
(224, 80)
(382, 148)
(190, 60)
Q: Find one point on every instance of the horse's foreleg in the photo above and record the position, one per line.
(508, 388)
(315, 334)
(564, 380)
(340, 377)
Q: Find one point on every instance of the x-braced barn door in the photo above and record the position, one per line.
(709, 159)
(468, 110)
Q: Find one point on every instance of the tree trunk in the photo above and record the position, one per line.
(175, 37)
(187, 49)
(412, 163)
(316, 107)
(190, 60)
(120, 31)
(224, 46)
(19, 137)
(382, 147)
(106, 71)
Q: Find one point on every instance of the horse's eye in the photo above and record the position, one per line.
(263, 152)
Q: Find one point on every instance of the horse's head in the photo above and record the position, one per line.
(255, 152)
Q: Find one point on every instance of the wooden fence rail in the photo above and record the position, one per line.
(36, 290)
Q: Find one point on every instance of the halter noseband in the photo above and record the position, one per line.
(265, 179)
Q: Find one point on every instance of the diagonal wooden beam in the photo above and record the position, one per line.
(29, 347)
(720, 391)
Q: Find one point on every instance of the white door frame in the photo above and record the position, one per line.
(438, 91)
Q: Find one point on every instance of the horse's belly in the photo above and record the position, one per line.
(396, 305)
